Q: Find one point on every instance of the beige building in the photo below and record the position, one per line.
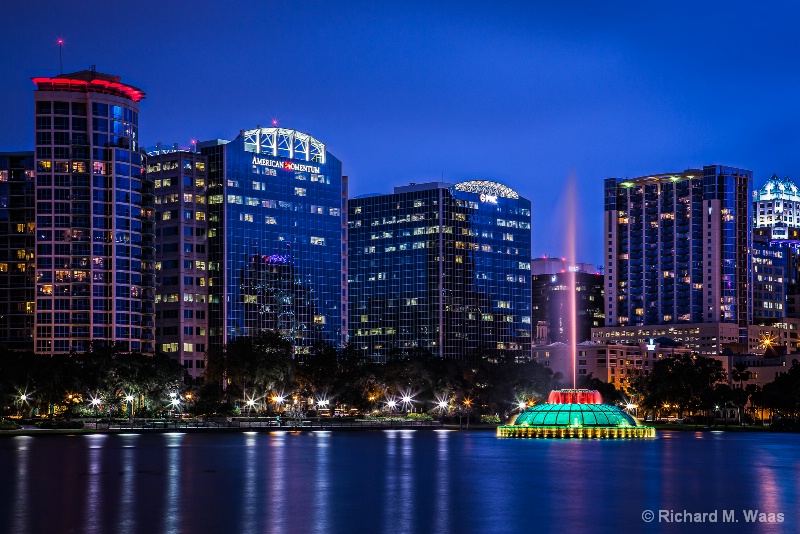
(703, 338)
(616, 364)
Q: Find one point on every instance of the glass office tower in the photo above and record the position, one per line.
(678, 248)
(776, 246)
(440, 267)
(276, 238)
(94, 216)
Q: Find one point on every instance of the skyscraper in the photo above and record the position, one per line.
(276, 238)
(94, 216)
(17, 250)
(182, 281)
(776, 240)
(551, 282)
(440, 267)
(677, 248)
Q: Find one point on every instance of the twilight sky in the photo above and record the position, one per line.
(531, 94)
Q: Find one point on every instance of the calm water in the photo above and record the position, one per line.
(391, 481)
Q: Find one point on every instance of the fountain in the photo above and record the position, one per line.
(574, 413)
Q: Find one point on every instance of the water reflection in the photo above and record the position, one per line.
(394, 481)
(22, 484)
(406, 489)
(250, 497)
(276, 504)
(94, 493)
(172, 511)
(127, 521)
(322, 495)
(441, 504)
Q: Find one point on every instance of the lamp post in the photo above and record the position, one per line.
(175, 403)
(278, 401)
(129, 400)
(189, 398)
(95, 402)
(23, 399)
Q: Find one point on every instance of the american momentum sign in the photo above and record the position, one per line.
(285, 165)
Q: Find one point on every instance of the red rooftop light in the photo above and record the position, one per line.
(96, 85)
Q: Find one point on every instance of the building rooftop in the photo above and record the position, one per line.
(86, 81)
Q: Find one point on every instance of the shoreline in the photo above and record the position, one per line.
(29, 430)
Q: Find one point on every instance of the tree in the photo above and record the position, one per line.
(684, 381)
(262, 361)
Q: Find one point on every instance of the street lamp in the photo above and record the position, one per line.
(129, 400)
(189, 399)
(95, 402)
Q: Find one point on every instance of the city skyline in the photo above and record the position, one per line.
(527, 96)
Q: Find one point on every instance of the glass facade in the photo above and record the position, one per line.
(276, 238)
(17, 250)
(440, 267)
(677, 248)
(94, 217)
(551, 313)
(776, 238)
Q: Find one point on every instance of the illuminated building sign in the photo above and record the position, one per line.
(574, 269)
(651, 345)
(285, 165)
(492, 199)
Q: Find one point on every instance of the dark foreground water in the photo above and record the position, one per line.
(393, 481)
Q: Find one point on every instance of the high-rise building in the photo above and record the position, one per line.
(17, 250)
(440, 267)
(182, 280)
(276, 238)
(94, 216)
(776, 250)
(552, 280)
(677, 248)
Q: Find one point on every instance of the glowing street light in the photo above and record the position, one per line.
(129, 399)
(95, 402)
(407, 400)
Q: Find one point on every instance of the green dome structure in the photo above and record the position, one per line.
(575, 414)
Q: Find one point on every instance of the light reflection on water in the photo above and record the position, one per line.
(390, 481)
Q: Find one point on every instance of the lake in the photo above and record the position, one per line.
(397, 481)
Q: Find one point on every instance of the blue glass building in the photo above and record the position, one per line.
(276, 238)
(678, 248)
(440, 267)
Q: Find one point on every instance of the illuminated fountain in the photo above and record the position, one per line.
(575, 413)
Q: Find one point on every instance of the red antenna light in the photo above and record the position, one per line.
(60, 56)
(274, 122)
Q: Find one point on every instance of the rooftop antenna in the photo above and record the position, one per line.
(60, 56)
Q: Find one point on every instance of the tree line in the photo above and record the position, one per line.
(265, 367)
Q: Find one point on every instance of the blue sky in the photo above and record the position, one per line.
(530, 94)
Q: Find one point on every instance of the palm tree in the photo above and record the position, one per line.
(740, 374)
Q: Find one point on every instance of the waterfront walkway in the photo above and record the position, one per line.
(235, 424)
